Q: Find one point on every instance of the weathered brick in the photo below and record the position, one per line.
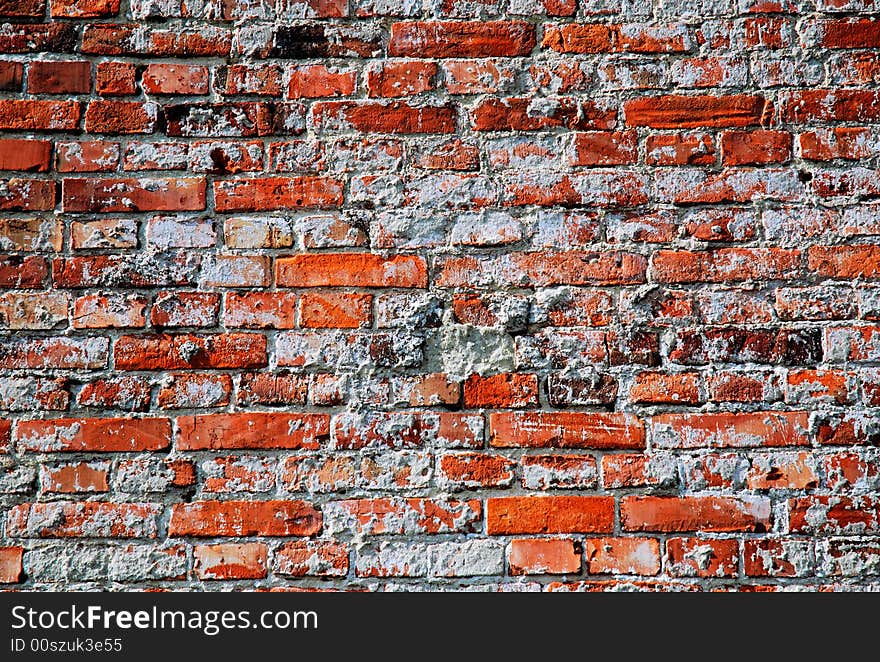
(565, 430)
(65, 519)
(703, 513)
(94, 434)
(230, 561)
(461, 39)
(552, 556)
(210, 519)
(623, 556)
(252, 431)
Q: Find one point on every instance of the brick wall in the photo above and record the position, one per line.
(505, 294)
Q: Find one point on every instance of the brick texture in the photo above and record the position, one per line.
(570, 295)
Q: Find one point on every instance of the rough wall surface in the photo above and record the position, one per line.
(484, 294)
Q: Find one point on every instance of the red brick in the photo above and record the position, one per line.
(22, 394)
(845, 430)
(851, 143)
(452, 155)
(309, 558)
(58, 353)
(59, 77)
(818, 386)
(175, 309)
(311, 473)
(212, 519)
(545, 269)
(834, 515)
(383, 117)
(257, 310)
(114, 311)
(680, 149)
(767, 32)
(11, 76)
(87, 156)
(84, 8)
(317, 80)
(685, 112)
(850, 33)
(179, 352)
(11, 570)
(461, 39)
(597, 148)
(257, 79)
(844, 261)
(546, 472)
(695, 513)
(548, 556)
(737, 387)
(506, 390)
(473, 470)
(22, 272)
(129, 392)
(731, 430)
(522, 114)
(725, 265)
(253, 431)
(38, 37)
(397, 516)
(27, 155)
(39, 115)
(632, 470)
(115, 39)
(132, 195)
(116, 78)
(400, 78)
(778, 558)
(598, 188)
(233, 473)
(602, 38)
(838, 105)
(117, 270)
(849, 469)
(351, 270)
(755, 147)
(175, 79)
(271, 193)
(407, 430)
(23, 8)
(335, 310)
(856, 181)
(27, 195)
(549, 514)
(783, 471)
(583, 38)
(273, 389)
(188, 391)
(565, 430)
(230, 561)
(83, 520)
(125, 117)
(702, 557)
(659, 388)
(243, 119)
(75, 477)
(429, 390)
(475, 76)
(72, 435)
(622, 556)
